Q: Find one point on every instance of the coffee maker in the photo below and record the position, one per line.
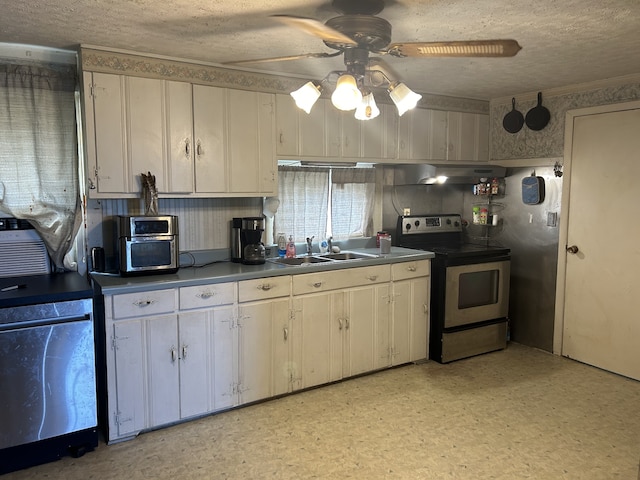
(253, 252)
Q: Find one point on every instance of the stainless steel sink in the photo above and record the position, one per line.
(347, 256)
(306, 260)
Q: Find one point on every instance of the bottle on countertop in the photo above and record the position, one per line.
(291, 248)
(282, 245)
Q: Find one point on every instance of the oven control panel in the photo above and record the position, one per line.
(421, 224)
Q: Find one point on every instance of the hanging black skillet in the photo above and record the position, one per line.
(513, 121)
(538, 117)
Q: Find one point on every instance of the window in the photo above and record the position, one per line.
(325, 202)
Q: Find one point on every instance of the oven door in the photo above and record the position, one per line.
(476, 292)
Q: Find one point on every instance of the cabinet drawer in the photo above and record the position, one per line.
(404, 270)
(262, 288)
(346, 278)
(200, 296)
(143, 303)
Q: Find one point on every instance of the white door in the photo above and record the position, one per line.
(601, 324)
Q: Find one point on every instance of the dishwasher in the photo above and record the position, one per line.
(47, 370)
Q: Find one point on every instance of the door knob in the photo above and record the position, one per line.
(573, 249)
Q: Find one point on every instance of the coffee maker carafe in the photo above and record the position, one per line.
(253, 252)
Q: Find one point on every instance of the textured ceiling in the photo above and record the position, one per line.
(564, 42)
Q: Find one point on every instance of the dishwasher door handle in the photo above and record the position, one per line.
(40, 322)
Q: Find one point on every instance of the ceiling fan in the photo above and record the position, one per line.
(357, 32)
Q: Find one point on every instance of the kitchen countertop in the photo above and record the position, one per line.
(38, 289)
(226, 271)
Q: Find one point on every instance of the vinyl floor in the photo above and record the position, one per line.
(514, 414)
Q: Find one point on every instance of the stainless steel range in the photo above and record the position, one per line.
(469, 287)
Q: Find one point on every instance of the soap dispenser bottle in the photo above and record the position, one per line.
(291, 248)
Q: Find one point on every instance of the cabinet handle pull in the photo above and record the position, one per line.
(412, 268)
(144, 303)
(281, 139)
(173, 353)
(373, 278)
(346, 323)
(265, 287)
(286, 333)
(187, 147)
(205, 295)
(317, 284)
(198, 148)
(184, 352)
(340, 324)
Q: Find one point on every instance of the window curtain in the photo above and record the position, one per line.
(39, 152)
(352, 196)
(304, 196)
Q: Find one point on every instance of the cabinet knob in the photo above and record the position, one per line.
(573, 249)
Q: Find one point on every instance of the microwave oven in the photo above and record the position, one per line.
(148, 244)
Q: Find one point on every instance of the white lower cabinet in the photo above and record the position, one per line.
(264, 332)
(174, 354)
(336, 328)
(411, 286)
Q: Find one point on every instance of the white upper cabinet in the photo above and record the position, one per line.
(251, 159)
(145, 131)
(467, 137)
(106, 147)
(197, 140)
(179, 115)
(422, 135)
(330, 133)
(209, 139)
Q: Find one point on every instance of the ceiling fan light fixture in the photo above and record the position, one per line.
(346, 96)
(403, 97)
(367, 108)
(306, 96)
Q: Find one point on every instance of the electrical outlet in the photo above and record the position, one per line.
(406, 211)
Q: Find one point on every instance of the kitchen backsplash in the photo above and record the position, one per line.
(203, 222)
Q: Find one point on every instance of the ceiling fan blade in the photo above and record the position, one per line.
(283, 59)
(316, 28)
(472, 48)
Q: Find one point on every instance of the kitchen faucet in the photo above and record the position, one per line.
(309, 239)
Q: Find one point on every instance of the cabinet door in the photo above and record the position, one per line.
(468, 136)
(320, 338)
(373, 136)
(366, 311)
(209, 134)
(224, 357)
(263, 348)
(351, 136)
(194, 330)
(250, 152)
(179, 126)
(410, 337)
(286, 126)
(312, 130)
(127, 407)
(423, 135)
(145, 130)
(110, 157)
(164, 369)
